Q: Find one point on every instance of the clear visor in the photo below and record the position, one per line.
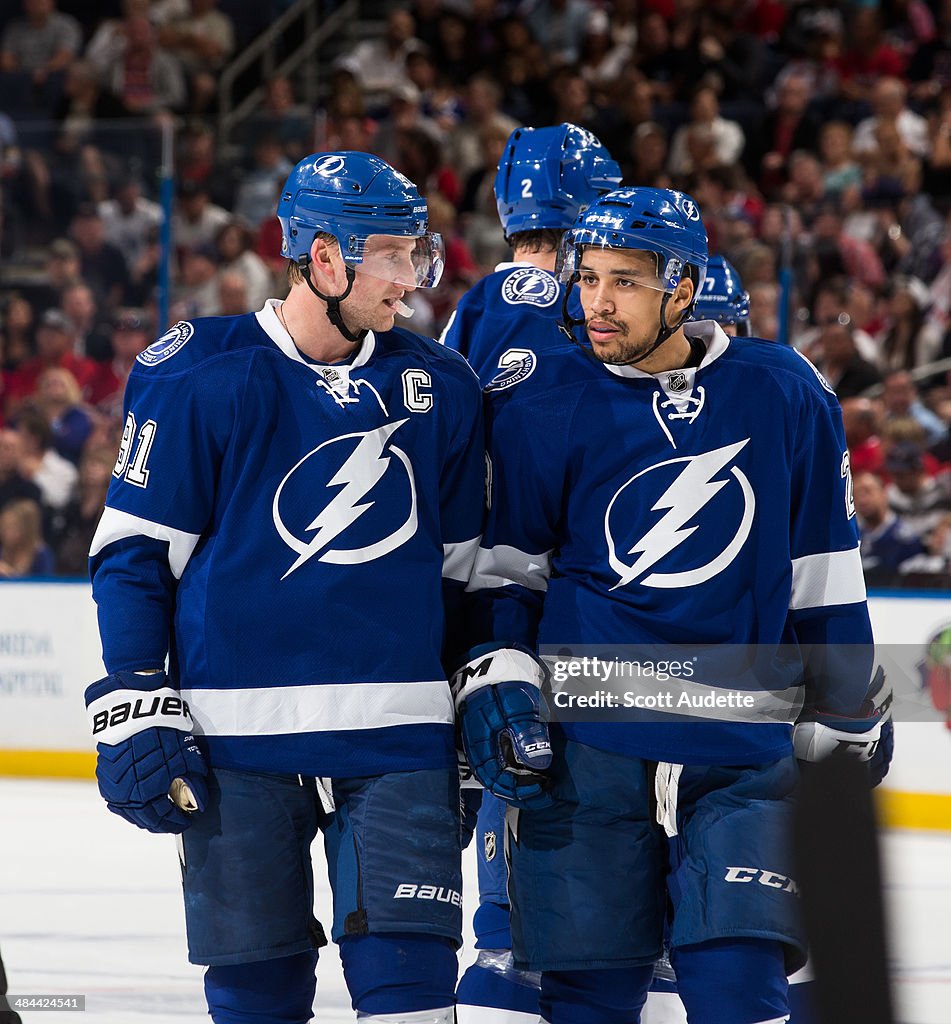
(598, 253)
(409, 262)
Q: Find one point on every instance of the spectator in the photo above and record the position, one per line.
(282, 116)
(233, 294)
(601, 58)
(72, 528)
(197, 291)
(13, 484)
(708, 140)
(931, 567)
(196, 220)
(862, 421)
(39, 46)
(380, 64)
(62, 271)
(258, 190)
(921, 500)
(103, 265)
(806, 188)
(131, 333)
(78, 304)
(787, 127)
(59, 400)
(480, 220)
(889, 101)
(764, 310)
(128, 219)
(17, 332)
(22, 550)
(483, 119)
(144, 78)
(842, 366)
(839, 169)
(559, 26)
(202, 38)
(648, 149)
(900, 395)
(109, 39)
(40, 463)
(865, 59)
(887, 540)
(55, 346)
(235, 252)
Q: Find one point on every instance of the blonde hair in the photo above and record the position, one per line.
(294, 273)
(27, 514)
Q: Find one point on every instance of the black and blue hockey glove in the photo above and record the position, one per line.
(502, 720)
(145, 743)
(868, 736)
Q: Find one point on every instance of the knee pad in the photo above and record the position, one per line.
(392, 977)
(612, 995)
(733, 981)
(277, 991)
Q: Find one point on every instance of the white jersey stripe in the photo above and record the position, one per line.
(829, 578)
(116, 525)
(503, 565)
(458, 559)
(278, 710)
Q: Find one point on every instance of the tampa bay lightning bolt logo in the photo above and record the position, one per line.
(529, 285)
(329, 166)
(697, 481)
(166, 346)
(372, 508)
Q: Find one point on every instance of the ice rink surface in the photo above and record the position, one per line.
(91, 905)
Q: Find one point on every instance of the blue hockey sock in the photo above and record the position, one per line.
(277, 991)
(728, 981)
(399, 973)
(612, 995)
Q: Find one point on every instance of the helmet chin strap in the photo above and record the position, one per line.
(333, 301)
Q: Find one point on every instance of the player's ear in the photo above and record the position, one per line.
(324, 258)
(681, 298)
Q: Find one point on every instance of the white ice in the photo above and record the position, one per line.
(91, 905)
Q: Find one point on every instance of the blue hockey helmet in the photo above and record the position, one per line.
(656, 220)
(362, 202)
(723, 297)
(548, 175)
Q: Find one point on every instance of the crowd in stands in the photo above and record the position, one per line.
(815, 136)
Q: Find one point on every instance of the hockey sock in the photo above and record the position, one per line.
(732, 981)
(392, 976)
(277, 991)
(611, 995)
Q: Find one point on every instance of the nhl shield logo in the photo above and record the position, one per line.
(489, 846)
(677, 382)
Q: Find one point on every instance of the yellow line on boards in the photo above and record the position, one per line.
(896, 809)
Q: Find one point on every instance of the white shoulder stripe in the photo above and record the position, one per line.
(279, 710)
(116, 525)
(503, 565)
(829, 578)
(458, 559)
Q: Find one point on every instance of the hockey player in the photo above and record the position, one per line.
(724, 299)
(665, 485)
(294, 510)
(546, 176)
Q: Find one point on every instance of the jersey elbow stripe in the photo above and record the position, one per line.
(503, 566)
(458, 558)
(829, 578)
(325, 707)
(116, 525)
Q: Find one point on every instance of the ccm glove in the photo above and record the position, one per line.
(502, 722)
(869, 736)
(145, 742)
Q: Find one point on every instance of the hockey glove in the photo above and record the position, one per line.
(868, 737)
(143, 728)
(502, 721)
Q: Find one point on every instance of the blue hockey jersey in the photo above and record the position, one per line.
(710, 505)
(292, 535)
(505, 313)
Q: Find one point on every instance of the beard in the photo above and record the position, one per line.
(621, 350)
